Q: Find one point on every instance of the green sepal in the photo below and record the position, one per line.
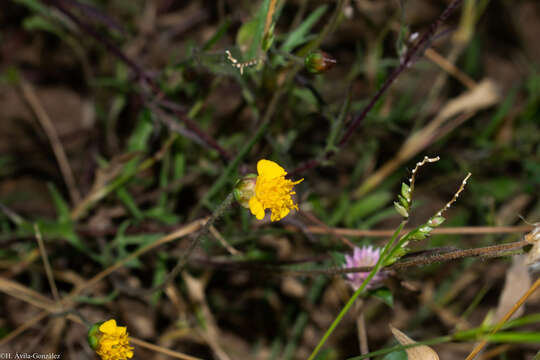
(436, 221)
(385, 295)
(421, 233)
(268, 39)
(406, 192)
(93, 335)
(403, 202)
(401, 210)
(396, 256)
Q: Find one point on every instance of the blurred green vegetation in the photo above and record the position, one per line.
(143, 172)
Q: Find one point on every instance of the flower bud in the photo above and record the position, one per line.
(319, 62)
(436, 221)
(245, 189)
(401, 210)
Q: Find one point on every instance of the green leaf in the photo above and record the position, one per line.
(33, 5)
(339, 210)
(164, 181)
(385, 295)
(337, 123)
(396, 355)
(130, 204)
(306, 96)
(250, 34)
(39, 23)
(500, 115)
(366, 206)
(97, 300)
(159, 276)
(403, 201)
(138, 141)
(398, 253)
(221, 30)
(62, 208)
(401, 210)
(418, 235)
(499, 188)
(162, 215)
(298, 36)
(406, 192)
(436, 221)
(339, 257)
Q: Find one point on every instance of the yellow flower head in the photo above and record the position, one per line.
(111, 342)
(272, 191)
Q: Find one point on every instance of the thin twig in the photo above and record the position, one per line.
(224, 242)
(361, 326)
(31, 98)
(162, 350)
(269, 15)
(26, 325)
(193, 245)
(459, 230)
(455, 197)
(508, 315)
(141, 74)
(181, 232)
(316, 220)
(450, 68)
(46, 264)
(420, 260)
(410, 56)
(12, 215)
(75, 316)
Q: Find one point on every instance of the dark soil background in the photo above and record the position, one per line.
(117, 124)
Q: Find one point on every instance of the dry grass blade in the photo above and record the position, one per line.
(28, 324)
(46, 264)
(22, 293)
(483, 96)
(162, 350)
(421, 352)
(518, 280)
(534, 238)
(28, 295)
(507, 316)
(31, 98)
(465, 230)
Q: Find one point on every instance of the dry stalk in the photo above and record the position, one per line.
(29, 95)
(46, 264)
(507, 316)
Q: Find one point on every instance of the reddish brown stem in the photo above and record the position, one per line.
(408, 59)
(141, 74)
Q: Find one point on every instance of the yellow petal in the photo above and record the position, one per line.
(108, 327)
(279, 214)
(270, 169)
(121, 330)
(256, 208)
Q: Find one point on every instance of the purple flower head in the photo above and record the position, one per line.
(363, 256)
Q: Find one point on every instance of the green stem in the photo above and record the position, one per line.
(434, 341)
(357, 293)
(466, 335)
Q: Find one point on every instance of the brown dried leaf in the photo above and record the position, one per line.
(421, 352)
(534, 238)
(517, 283)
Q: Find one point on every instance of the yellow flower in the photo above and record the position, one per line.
(111, 342)
(272, 191)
